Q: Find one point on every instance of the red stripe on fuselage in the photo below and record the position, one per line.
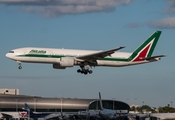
(142, 54)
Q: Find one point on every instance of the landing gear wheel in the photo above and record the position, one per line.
(20, 67)
(84, 70)
(78, 70)
(19, 63)
(90, 71)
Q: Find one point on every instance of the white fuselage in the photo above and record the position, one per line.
(52, 56)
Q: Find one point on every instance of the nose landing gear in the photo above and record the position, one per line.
(19, 63)
(20, 67)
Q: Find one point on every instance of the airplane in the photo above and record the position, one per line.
(46, 116)
(33, 115)
(13, 115)
(106, 113)
(102, 113)
(63, 58)
(57, 116)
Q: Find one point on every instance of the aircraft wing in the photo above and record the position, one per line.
(98, 55)
(6, 115)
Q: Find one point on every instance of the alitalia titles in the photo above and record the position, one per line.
(38, 51)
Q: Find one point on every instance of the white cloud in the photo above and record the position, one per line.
(54, 8)
(133, 25)
(165, 23)
(171, 7)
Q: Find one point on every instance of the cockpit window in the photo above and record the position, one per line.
(11, 51)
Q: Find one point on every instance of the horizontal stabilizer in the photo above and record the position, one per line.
(154, 57)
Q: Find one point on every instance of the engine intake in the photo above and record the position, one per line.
(57, 66)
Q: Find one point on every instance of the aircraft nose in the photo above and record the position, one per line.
(7, 55)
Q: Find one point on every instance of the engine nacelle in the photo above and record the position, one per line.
(67, 62)
(57, 66)
(64, 62)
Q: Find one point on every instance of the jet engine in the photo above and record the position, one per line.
(64, 62)
(57, 66)
(67, 62)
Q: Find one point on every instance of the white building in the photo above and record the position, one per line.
(9, 91)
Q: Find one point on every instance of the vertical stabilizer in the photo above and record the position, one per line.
(101, 104)
(146, 49)
(27, 108)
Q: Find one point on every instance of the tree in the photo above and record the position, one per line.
(166, 109)
(132, 108)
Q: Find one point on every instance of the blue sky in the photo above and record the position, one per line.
(94, 25)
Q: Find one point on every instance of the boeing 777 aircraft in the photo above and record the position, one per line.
(62, 58)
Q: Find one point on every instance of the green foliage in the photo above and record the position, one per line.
(146, 108)
(132, 108)
(166, 109)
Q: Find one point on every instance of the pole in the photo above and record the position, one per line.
(97, 104)
(171, 103)
(61, 104)
(34, 99)
(113, 103)
(16, 105)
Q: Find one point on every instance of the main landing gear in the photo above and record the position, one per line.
(19, 63)
(84, 70)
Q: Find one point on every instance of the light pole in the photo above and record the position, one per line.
(135, 102)
(61, 105)
(143, 103)
(16, 105)
(171, 103)
(113, 103)
(97, 104)
(34, 105)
